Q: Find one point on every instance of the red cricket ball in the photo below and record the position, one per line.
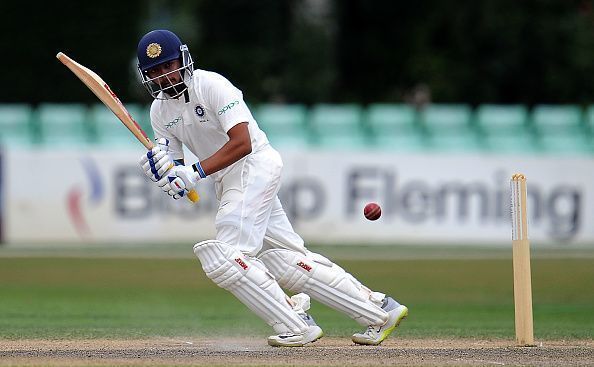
(372, 211)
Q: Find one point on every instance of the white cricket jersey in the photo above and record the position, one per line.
(215, 106)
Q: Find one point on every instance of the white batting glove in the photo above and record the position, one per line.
(157, 162)
(173, 186)
(179, 181)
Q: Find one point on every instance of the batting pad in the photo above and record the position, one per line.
(326, 282)
(248, 280)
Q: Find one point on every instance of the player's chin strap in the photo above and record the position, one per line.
(326, 282)
(186, 96)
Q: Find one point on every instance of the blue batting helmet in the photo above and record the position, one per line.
(157, 47)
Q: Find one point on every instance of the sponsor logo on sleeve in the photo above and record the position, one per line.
(228, 107)
(173, 122)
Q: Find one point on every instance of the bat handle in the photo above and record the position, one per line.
(193, 196)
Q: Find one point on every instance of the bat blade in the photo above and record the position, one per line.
(102, 90)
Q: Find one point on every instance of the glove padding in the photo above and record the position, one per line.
(156, 163)
(179, 181)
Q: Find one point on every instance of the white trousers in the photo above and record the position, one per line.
(250, 213)
(251, 219)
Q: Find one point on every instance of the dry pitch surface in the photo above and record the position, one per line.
(326, 352)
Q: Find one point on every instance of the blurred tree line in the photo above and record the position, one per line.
(309, 51)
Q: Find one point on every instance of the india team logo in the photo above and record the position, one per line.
(199, 110)
(153, 50)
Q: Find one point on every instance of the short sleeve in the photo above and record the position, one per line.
(175, 145)
(228, 103)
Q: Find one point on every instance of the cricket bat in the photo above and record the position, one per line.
(111, 100)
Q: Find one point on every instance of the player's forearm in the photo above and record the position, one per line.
(229, 153)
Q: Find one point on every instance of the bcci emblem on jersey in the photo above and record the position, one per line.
(199, 110)
(200, 113)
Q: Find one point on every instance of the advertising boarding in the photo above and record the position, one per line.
(102, 196)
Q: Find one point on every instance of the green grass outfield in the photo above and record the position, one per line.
(110, 297)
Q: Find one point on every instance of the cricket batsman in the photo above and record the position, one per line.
(255, 251)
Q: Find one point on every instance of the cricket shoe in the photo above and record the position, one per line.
(374, 335)
(300, 303)
(313, 333)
